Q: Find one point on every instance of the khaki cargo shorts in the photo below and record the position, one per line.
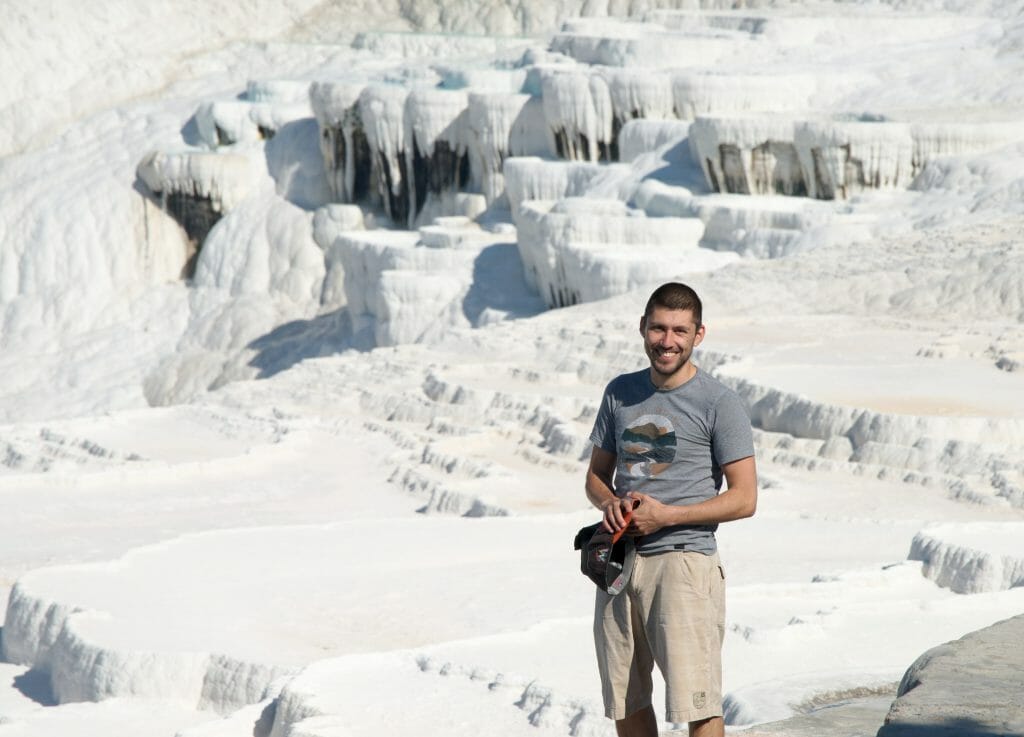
(672, 613)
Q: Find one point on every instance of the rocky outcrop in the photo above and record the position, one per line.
(970, 687)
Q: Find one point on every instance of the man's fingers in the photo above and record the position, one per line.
(615, 511)
(612, 517)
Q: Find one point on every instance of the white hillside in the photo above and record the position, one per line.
(306, 310)
(162, 620)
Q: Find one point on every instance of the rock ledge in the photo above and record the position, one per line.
(970, 687)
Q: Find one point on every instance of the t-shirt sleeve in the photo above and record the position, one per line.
(732, 437)
(603, 434)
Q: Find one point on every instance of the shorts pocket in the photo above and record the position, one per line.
(694, 575)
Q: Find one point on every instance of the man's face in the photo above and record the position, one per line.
(669, 339)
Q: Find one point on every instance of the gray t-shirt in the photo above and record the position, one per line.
(671, 444)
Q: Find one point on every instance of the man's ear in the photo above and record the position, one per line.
(643, 324)
(698, 337)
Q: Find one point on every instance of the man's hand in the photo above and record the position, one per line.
(614, 511)
(736, 502)
(649, 515)
(739, 500)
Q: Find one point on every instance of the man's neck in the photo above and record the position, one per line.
(685, 372)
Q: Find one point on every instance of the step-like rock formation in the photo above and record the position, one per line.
(972, 558)
(582, 250)
(970, 687)
(831, 158)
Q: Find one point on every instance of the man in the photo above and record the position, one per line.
(663, 439)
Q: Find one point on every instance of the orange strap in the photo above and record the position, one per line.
(625, 522)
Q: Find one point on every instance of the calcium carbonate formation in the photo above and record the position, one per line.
(610, 108)
(407, 188)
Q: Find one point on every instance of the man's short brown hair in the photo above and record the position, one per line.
(676, 296)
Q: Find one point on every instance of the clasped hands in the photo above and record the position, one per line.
(648, 514)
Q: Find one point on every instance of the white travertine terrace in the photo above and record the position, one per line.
(578, 109)
(223, 178)
(629, 46)
(640, 93)
(828, 159)
(359, 407)
(640, 136)
(266, 106)
(972, 558)
(335, 105)
(583, 249)
(710, 93)
(531, 178)
(382, 115)
(437, 157)
(501, 125)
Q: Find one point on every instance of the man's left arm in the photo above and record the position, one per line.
(739, 500)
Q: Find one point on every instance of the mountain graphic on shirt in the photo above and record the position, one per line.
(648, 445)
(648, 431)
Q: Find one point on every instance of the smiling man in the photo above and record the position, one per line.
(664, 439)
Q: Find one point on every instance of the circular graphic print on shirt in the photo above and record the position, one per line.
(648, 445)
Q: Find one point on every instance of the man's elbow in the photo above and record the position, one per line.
(749, 506)
(741, 477)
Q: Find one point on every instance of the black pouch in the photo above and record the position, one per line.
(605, 561)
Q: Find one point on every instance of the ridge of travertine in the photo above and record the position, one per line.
(964, 688)
(969, 687)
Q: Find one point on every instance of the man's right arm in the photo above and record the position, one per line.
(600, 491)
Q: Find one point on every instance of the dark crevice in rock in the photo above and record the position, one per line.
(853, 174)
(361, 166)
(776, 169)
(445, 170)
(715, 186)
(732, 169)
(561, 144)
(395, 198)
(422, 176)
(583, 145)
(577, 147)
(338, 143)
(197, 215)
(824, 187)
(562, 296)
(610, 149)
